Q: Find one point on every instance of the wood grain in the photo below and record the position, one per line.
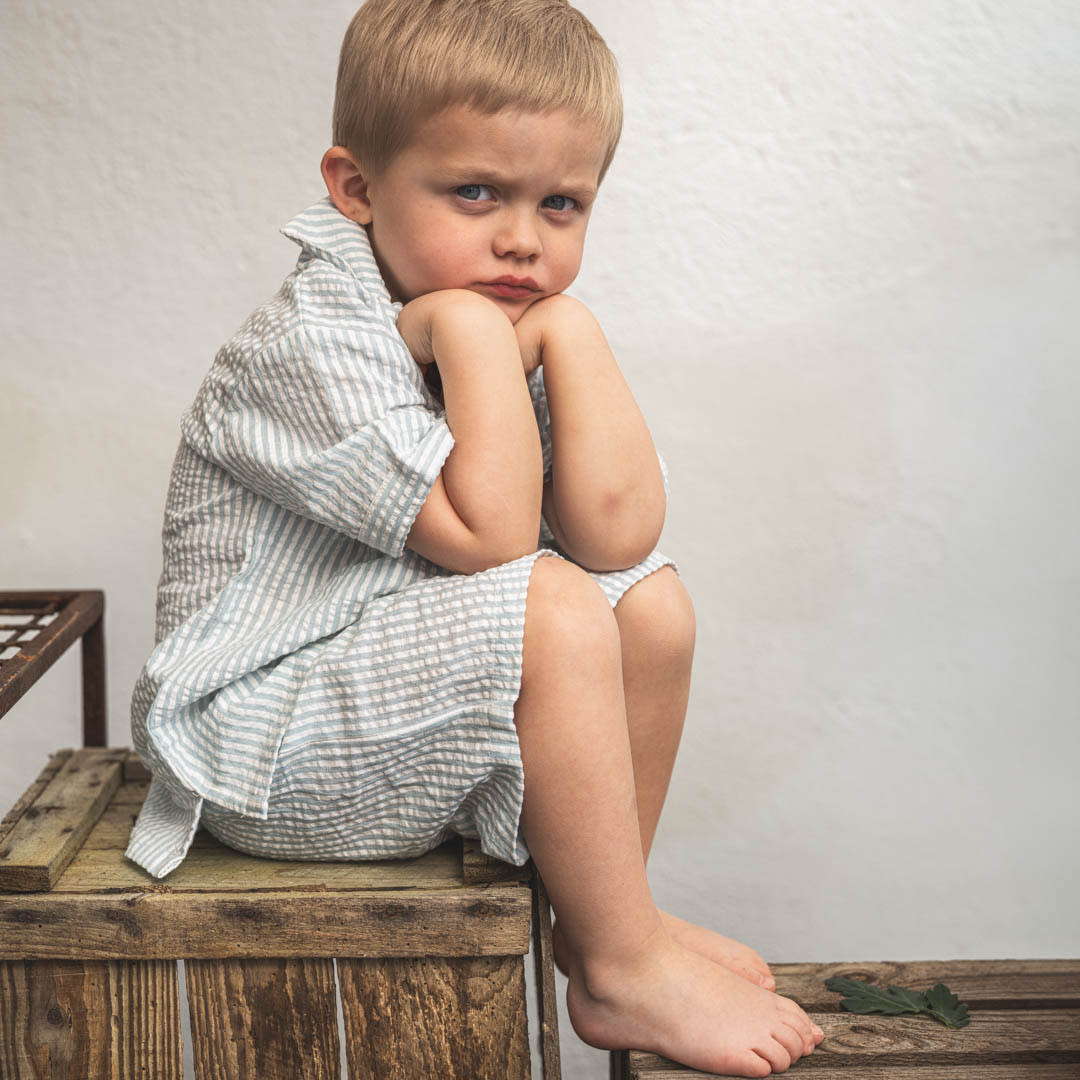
(460, 1018)
(263, 1019)
(50, 831)
(1025, 1024)
(106, 1020)
(491, 921)
(544, 957)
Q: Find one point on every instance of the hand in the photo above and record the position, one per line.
(544, 320)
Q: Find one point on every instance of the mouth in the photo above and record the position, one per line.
(512, 287)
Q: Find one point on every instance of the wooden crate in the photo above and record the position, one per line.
(429, 952)
(1025, 1025)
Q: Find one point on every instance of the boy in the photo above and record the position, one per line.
(362, 648)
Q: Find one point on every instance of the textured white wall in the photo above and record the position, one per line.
(838, 257)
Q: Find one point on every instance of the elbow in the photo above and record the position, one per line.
(628, 533)
(505, 545)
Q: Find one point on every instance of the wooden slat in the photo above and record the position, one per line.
(455, 1019)
(993, 984)
(134, 769)
(479, 868)
(485, 921)
(264, 1019)
(1025, 1024)
(51, 830)
(881, 1072)
(107, 1020)
(28, 797)
(544, 957)
(212, 867)
(852, 1043)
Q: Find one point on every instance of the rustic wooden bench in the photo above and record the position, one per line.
(427, 954)
(1025, 1025)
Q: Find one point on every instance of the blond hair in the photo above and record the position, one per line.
(404, 61)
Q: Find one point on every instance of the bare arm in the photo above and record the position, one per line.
(484, 508)
(607, 491)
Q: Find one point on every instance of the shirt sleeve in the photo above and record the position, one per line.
(333, 422)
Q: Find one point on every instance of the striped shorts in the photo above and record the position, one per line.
(419, 741)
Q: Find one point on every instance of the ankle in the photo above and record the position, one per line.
(607, 976)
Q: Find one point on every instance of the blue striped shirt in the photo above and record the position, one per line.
(304, 459)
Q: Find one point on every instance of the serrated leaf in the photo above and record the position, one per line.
(947, 1007)
(864, 997)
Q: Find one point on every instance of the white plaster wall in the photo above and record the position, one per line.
(838, 258)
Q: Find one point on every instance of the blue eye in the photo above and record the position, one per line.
(562, 202)
(473, 192)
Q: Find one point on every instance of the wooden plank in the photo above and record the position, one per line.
(994, 984)
(455, 1019)
(544, 957)
(212, 867)
(134, 769)
(50, 832)
(265, 1019)
(873, 1072)
(1007, 1038)
(479, 868)
(152, 924)
(33, 791)
(107, 1020)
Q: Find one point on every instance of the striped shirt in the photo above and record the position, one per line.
(304, 459)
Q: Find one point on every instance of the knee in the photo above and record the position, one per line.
(567, 614)
(656, 619)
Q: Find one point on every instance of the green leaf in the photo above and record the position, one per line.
(867, 998)
(863, 998)
(947, 1007)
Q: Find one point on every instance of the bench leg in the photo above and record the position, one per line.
(457, 1018)
(89, 1018)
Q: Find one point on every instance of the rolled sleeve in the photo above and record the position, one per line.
(333, 425)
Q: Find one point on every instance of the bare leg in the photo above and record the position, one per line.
(657, 629)
(630, 983)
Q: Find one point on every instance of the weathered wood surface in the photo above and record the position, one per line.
(106, 1020)
(1025, 1025)
(56, 760)
(449, 955)
(174, 925)
(50, 831)
(455, 1019)
(544, 957)
(479, 868)
(265, 1019)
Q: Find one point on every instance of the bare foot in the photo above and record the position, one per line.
(721, 950)
(671, 1001)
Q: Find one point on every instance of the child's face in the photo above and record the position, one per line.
(494, 203)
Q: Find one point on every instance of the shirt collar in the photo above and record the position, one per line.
(326, 233)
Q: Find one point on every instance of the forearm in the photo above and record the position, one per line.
(607, 488)
(493, 475)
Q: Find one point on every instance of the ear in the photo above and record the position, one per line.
(347, 184)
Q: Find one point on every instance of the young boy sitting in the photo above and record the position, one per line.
(411, 586)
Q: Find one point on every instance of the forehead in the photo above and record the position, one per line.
(521, 146)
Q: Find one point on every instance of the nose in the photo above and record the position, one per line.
(516, 234)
